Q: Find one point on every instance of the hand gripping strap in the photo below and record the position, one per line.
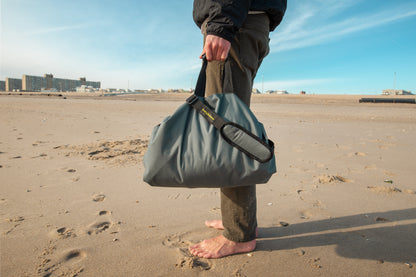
(234, 134)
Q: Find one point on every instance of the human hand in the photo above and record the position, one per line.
(216, 48)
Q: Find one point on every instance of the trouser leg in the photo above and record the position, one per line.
(250, 46)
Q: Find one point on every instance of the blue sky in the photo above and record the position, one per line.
(322, 46)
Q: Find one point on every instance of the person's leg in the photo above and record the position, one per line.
(238, 205)
(239, 213)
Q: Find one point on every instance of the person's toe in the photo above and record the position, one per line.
(196, 250)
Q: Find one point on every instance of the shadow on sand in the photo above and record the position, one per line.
(388, 236)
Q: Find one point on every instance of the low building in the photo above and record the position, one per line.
(2, 85)
(84, 88)
(277, 92)
(13, 84)
(155, 90)
(396, 92)
(48, 82)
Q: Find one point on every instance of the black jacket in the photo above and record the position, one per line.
(225, 17)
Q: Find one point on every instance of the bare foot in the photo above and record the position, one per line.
(217, 224)
(220, 246)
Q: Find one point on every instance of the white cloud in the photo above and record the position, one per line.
(55, 29)
(313, 23)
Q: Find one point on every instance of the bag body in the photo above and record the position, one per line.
(187, 150)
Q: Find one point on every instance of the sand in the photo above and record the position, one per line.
(73, 203)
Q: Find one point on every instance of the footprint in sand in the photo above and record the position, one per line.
(98, 197)
(176, 241)
(101, 213)
(326, 179)
(16, 219)
(42, 155)
(16, 157)
(172, 241)
(194, 263)
(390, 190)
(382, 189)
(99, 227)
(187, 260)
(64, 233)
(315, 263)
(74, 255)
(64, 265)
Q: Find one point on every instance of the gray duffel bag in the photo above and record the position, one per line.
(209, 142)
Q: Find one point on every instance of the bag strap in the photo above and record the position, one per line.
(213, 118)
(234, 134)
(200, 106)
(200, 83)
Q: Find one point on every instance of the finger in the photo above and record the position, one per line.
(208, 53)
(224, 55)
(218, 51)
(218, 54)
(225, 51)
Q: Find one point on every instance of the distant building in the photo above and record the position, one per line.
(13, 84)
(48, 82)
(396, 92)
(155, 91)
(277, 92)
(255, 91)
(84, 88)
(45, 83)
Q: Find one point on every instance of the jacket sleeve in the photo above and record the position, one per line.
(225, 17)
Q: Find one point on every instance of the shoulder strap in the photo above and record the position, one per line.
(206, 112)
(234, 134)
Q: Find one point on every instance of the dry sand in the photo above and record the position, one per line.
(73, 202)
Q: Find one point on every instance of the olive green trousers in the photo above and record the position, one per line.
(236, 75)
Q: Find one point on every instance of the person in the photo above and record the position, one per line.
(236, 39)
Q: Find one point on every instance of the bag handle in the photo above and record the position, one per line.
(202, 78)
(200, 83)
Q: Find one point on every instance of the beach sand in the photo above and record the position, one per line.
(73, 203)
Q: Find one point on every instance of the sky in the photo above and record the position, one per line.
(321, 46)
